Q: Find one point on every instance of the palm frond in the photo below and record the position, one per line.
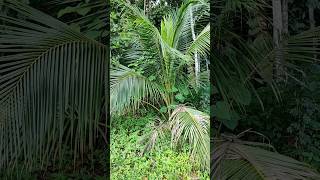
(202, 43)
(158, 129)
(128, 89)
(161, 46)
(182, 33)
(51, 85)
(148, 42)
(188, 124)
(158, 46)
(241, 160)
(294, 50)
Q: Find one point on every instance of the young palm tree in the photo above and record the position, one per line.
(168, 53)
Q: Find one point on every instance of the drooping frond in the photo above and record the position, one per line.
(259, 57)
(128, 89)
(241, 160)
(158, 129)
(188, 124)
(148, 34)
(51, 87)
(294, 50)
(302, 47)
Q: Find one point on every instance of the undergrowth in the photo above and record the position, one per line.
(162, 162)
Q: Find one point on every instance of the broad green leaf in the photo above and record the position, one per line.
(241, 94)
(67, 10)
(180, 97)
(83, 10)
(222, 110)
(163, 109)
(225, 114)
(75, 27)
(184, 90)
(231, 123)
(152, 78)
(174, 89)
(93, 34)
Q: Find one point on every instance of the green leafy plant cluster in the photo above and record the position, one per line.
(163, 162)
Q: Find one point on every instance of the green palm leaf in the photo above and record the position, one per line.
(202, 43)
(188, 124)
(236, 159)
(51, 85)
(128, 89)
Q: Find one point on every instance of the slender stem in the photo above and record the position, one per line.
(155, 109)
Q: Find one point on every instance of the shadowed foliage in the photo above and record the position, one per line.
(51, 87)
(233, 158)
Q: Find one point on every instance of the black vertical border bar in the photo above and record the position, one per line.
(107, 88)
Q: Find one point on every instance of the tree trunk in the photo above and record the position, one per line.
(208, 69)
(285, 33)
(145, 4)
(285, 22)
(312, 22)
(277, 22)
(311, 17)
(196, 58)
(277, 35)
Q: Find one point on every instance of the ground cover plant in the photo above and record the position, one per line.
(127, 161)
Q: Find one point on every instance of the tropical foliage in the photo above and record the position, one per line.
(261, 57)
(164, 75)
(256, 56)
(163, 162)
(52, 93)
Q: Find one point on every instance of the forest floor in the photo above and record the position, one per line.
(163, 162)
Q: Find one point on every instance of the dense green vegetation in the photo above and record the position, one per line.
(262, 72)
(265, 100)
(127, 161)
(159, 54)
(53, 76)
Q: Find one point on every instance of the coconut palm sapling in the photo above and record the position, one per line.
(167, 54)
